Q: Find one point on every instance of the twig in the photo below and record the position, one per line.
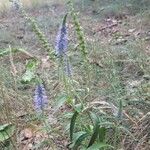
(14, 70)
(104, 28)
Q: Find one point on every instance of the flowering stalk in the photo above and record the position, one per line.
(40, 98)
(61, 39)
(68, 69)
(61, 47)
(41, 37)
(80, 34)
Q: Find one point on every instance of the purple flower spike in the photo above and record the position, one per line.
(40, 98)
(62, 39)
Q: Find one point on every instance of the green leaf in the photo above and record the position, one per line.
(78, 138)
(102, 133)
(96, 129)
(77, 135)
(94, 135)
(31, 64)
(94, 117)
(72, 124)
(64, 19)
(78, 107)
(99, 145)
(30, 71)
(6, 131)
(28, 76)
(88, 128)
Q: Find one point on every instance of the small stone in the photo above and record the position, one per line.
(28, 133)
(131, 30)
(30, 146)
(120, 41)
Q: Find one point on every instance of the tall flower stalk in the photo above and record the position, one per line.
(79, 32)
(61, 46)
(68, 69)
(40, 98)
(62, 39)
(17, 5)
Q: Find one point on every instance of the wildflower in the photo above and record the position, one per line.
(61, 40)
(40, 98)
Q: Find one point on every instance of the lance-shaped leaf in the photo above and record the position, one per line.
(95, 130)
(72, 124)
(78, 138)
(6, 131)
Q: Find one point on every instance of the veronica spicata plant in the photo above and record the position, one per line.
(61, 47)
(40, 98)
(62, 39)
